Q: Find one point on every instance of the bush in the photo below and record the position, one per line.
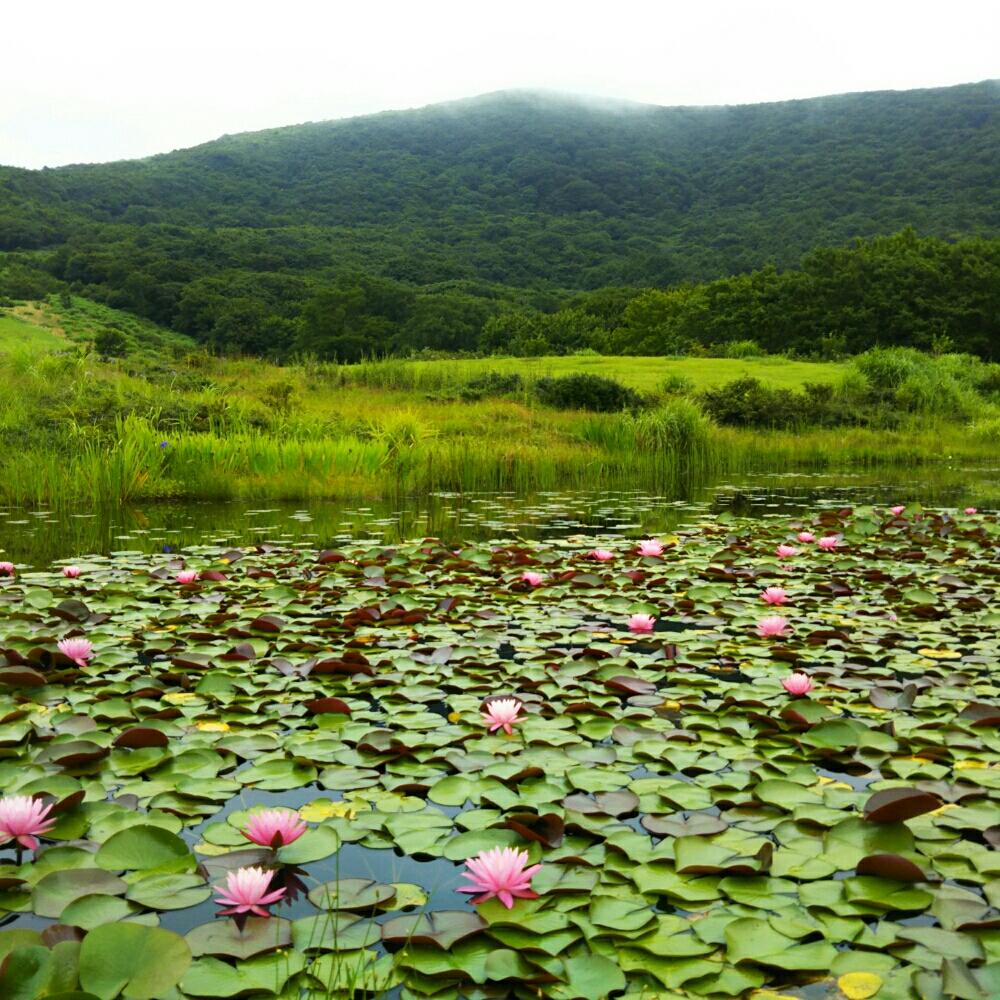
(747, 402)
(743, 349)
(887, 368)
(676, 384)
(587, 392)
(678, 426)
(111, 343)
(279, 397)
(491, 384)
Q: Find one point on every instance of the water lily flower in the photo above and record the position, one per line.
(187, 576)
(828, 543)
(898, 509)
(786, 551)
(78, 650)
(651, 547)
(533, 579)
(797, 683)
(500, 872)
(971, 510)
(6, 569)
(602, 555)
(806, 537)
(23, 818)
(774, 595)
(71, 572)
(245, 891)
(501, 713)
(274, 827)
(641, 623)
(772, 625)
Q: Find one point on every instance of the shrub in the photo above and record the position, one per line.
(887, 368)
(747, 402)
(587, 392)
(111, 343)
(676, 384)
(743, 349)
(279, 397)
(678, 426)
(491, 384)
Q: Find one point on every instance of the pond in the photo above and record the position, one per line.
(753, 745)
(39, 537)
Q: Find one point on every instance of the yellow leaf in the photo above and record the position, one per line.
(408, 894)
(212, 727)
(859, 985)
(964, 765)
(940, 654)
(322, 809)
(454, 716)
(672, 705)
(211, 850)
(179, 697)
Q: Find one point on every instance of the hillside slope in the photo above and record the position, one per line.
(733, 186)
(510, 197)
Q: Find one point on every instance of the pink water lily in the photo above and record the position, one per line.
(274, 827)
(6, 569)
(806, 536)
(187, 576)
(786, 551)
(245, 891)
(971, 510)
(602, 555)
(898, 509)
(502, 713)
(532, 579)
(641, 623)
(828, 543)
(500, 872)
(23, 818)
(774, 595)
(773, 625)
(797, 684)
(78, 650)
(651, 547)
(71, 572)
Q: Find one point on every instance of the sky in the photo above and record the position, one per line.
(109, 79)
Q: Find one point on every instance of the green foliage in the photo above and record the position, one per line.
(898, 290)
(111, 343)
(493, 383)
(880, 388)
(586, 392)
(522, 224)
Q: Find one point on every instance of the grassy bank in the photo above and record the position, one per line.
(75, 428)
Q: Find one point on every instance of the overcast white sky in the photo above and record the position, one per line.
(110, 79)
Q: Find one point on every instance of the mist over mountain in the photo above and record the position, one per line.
(510, 195)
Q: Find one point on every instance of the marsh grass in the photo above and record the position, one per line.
(77, 429)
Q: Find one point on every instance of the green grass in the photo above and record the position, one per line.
(17, 334)
(641, 373)
(76, 429)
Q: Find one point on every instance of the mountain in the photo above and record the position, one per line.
(515, 196)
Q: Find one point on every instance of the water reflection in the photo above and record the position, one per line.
(41, 537)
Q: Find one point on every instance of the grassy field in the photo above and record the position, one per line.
(644, 374)
(17, 333)
(169, 422)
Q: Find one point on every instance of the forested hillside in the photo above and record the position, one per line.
(412, 229)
